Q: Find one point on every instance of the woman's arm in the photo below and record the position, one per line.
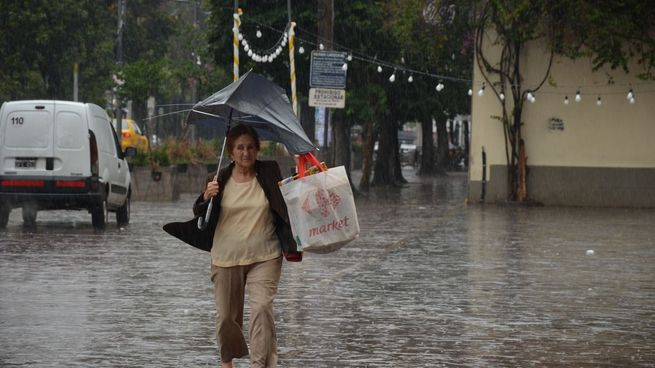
(211, 189)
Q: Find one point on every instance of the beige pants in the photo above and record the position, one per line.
(260, 280)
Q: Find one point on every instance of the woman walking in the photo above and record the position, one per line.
(251, 232)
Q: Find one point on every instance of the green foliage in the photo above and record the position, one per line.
(140, 159)
(41, 40)
(173, 152)
(159, 156)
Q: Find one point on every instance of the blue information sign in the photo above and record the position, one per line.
(326, 70)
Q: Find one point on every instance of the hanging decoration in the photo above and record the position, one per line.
(270, 54)
(289, 33)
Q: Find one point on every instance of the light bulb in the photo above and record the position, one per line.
(379, 69)
(344, 67)
(350, 57)
(502, 96)
(566, 100)
(246, 48)
(632, 100)
(240, 37)
(259, 34)
(470, 92)
(578, 98)
(244, 43)
(599, 101)
(481, 90)
(320, 46)
(249, 53)
(410, 79)
(630, 95)
(440, 87)
(301, 50)
(392, 78)
(529, 96)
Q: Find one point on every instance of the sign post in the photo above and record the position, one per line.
(327, 79)
(327, 82)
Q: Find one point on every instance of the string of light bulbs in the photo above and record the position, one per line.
(399, 68)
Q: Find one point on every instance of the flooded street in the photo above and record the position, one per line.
(431, 282)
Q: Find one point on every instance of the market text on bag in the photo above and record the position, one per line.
(330, 226)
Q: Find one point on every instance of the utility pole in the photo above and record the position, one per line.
(118, 108)
(326, 38)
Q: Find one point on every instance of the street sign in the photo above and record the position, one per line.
(326, 70)
(327, 97)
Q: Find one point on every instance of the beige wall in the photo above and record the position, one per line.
(616, 134)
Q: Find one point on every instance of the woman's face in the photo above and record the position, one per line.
(244, 152)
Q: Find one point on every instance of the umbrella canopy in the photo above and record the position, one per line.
(255, 101)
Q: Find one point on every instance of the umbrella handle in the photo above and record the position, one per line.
(203, 221)
(202, 224)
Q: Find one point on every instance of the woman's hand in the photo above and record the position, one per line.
(211, 190)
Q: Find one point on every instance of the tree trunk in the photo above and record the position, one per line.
(442, 145)
(326, 22)
(307, 120)
(384, 162)
(341, 142)
(369, 137)
(427, 151)
(522, 192)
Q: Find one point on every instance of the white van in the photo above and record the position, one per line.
(61, 155)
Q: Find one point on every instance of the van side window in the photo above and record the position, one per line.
(103, 135)
(117, 145)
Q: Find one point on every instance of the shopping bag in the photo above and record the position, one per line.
(321, 209)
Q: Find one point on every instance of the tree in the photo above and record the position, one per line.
(40, 42)
(435, 38)
(610, 32)
(360, 26)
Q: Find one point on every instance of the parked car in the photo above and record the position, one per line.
(131, 135)
(408, 154)
(61, 155)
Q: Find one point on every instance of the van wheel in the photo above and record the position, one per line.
(4, 216)
(29, 214)
(99, 215)
(123, 213)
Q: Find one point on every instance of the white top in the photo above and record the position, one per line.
(245, 233)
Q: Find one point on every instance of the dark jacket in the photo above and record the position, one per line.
(267, 174)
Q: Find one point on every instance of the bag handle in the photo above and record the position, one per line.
(310, 160)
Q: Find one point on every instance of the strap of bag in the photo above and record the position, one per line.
(307, 160)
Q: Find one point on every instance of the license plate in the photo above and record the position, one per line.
(25, 163)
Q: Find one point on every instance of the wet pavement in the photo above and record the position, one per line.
(431, 282)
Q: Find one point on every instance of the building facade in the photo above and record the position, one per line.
(598, 151)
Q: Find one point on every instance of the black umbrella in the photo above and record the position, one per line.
(255, 101)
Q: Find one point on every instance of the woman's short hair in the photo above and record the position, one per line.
(237, 132)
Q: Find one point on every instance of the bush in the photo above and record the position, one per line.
(204, 152)
(140, 159)
(179, 151)
(159, 156)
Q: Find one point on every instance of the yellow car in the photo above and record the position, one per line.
(131, 136)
